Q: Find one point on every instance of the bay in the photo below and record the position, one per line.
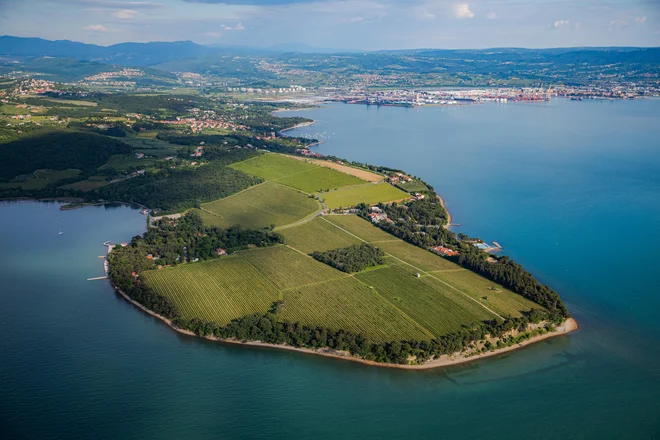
(570, 189)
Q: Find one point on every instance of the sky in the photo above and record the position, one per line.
(341, 24)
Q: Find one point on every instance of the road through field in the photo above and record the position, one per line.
(422, 271)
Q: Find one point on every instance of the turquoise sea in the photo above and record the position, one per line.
(570, 189)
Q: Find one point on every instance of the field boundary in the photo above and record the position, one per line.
(422, 271)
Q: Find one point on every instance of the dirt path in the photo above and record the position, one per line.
(423, 272)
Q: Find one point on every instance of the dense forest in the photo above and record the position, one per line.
(58, 151)
(353, 258)
(176, 190)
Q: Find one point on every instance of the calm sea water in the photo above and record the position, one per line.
(570, 189)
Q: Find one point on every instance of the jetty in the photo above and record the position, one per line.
(97, 278)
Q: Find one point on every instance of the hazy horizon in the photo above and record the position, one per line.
(360, 25)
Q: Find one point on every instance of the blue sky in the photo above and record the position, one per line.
(347, 24)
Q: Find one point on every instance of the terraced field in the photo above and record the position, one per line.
(370, 194)
(317, 235)
(260, 206)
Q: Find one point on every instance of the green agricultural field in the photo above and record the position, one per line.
(503, 301)
(40, 179)
(347, 304)
(370, 194)
(417, 256)
(238, 285)
(317, 235)
(122, 163)
(436, 307)
(86, 185)
(320, 179)
(412, 187)
(295, 173)
(217, 290)
(272, 166)
(359, 227)
(260, 206)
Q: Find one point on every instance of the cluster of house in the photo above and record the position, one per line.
(418, 196)
(308, 153)
(198, 151)
(377, 215)
(441, 250)
(399, 177)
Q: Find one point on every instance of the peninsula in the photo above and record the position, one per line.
(255, 239)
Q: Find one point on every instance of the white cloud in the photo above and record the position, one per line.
(491, 16)
(356, 20)
(96, 28)
(640, 20)
(462, 10)
(560, 23)
(125, 14)
(238, 27)
(213, 34)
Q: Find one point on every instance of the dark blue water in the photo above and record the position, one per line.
(571, 190)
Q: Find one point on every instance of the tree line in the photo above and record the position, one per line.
(353, 258)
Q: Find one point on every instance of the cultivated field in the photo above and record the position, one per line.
(436, 307)
(272, 166)
(317, 235)
(370, 194)
(217, 290)
(86, 185)
(40, 179)
(260, 206)
(296, 174)
(416, 256)
(357, 172)
(496, 297)
(319, 179)
(347, 304)
(359, 227)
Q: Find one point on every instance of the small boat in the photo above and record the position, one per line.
(60, 233)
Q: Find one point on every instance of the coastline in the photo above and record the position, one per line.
(449, 218)
(566, 327)
(302, 124)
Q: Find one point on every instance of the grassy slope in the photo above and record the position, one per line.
(370, 194)
(317, 235)
(296, 174)
(260, 206)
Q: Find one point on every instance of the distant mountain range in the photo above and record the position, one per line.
(65, 60)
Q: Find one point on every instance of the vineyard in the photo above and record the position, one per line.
(272, 166)
(317, 235)
(370, 194)
(347, 304)
(436, 307)
(296, 174)
(360, 228)
(320, 179)
(260, 206)
(503, 301)
(416, 256)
